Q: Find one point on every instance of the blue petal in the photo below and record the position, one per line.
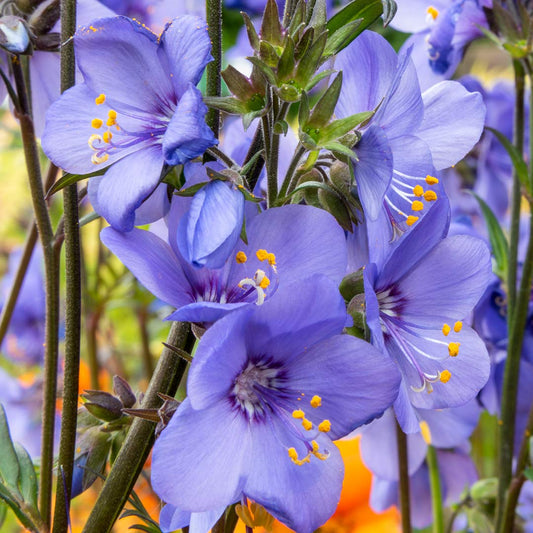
(172, 518)
(210, 229)
(187, 135)
(185, 50)
(115, 198)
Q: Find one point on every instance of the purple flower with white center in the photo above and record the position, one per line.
(284, 244)
(443, 28)
(24, 341)
(137, 110)
(416, 303)
(411, 135)
(269, 389)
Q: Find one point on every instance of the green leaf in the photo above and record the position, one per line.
(23, 518)
(342, 38)
(319, 77)
(342, 126)
(528, 472)
(264, 69)
(268, 54)
(237, 83)
(341, 149)
(250, 29)
(310, 61)
(89, 217)
(9, 465)
(286, 61)
(498, 241)
(70, 179)
(325, 107)
(28, 478)
(191, 191)
(516, 157)
(319, 15)
(271, 30)
(304, 43)
(303, 111)
(229, 104)
(367, 10)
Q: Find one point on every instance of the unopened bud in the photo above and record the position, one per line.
(102, 405)
(122, 389)
(14, 35)
(44, 18)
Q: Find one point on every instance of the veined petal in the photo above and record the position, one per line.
(155, 207)
(152, 262)
(118, 57)
(172, 518)
(185, 50)
(373, 170)
(347, 383)
(453, 122)
(117, 198)
(187, 135)
(302, 496)
(205, 471)
(204, 312)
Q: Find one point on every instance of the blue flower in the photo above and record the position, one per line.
(284, 244)
(416, 304)
(269, 389)
(137, 110)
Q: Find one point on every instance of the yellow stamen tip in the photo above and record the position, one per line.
(96, 123)
(418, 190)
(298, 414)
(425, 431)
(107, 136)
(241, 258)
(431, 180)
(324, 426)
(316, 401)
(417, 205)
(271, 259)
(100, 99)
(307, 424)
(411, 220)
(434, 13)
(265, 282)
(453, 349)
(293, 454)
(446, 329)
(261, 255)
(458, 326)
(430, 196)
(112, 114)
(445, 376)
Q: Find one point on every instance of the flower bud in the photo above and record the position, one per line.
(102, 405)
(44, 18)
(122, 389)
(14, 35)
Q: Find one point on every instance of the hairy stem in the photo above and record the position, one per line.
(403, 471)
(213, 10)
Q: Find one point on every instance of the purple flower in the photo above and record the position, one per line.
(284, 244)
(24, 341)
(269, 389)
(137, 110)
(411, 135)
(416, 304)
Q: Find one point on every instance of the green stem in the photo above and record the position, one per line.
(256, 146)
(139, 440)
(148, 360)
(67, 443)
(298, 154)
(403, 471)
(51, 272)
(213, 9)
(518, 304)
(436, 492)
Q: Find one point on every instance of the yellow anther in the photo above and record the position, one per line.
(298, 414)
(431, 180)
(453, 348)
(445, 376)
(293, 454)
(107, 136)
(425, 431)
(110, 122)
(430, 196)
(100, 99)
(418, 190)
(324, 426)
(417, 205)
(446, 329)
(316, 453)
(244, 514)
(264, 283)
(271, 258)
(458, 326)
(307, 424)
(241, 258)
(96, 123)
(96, 159)
(112, 114)
(261, 255)
(434, 13)
(316, 401)
(411, 220)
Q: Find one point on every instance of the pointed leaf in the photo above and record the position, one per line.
(367, 10)
(226, 103)
(303, 111)
(28, 478)
(250, 30)
(303, 44)
(297, 20)
(286, 61)
(318, 78)
(9, 465)
(342, 38)
(319, 16)
(270, 27)
(342, 126)
(325, 107)
(310, 61)
(70, 179)
(237, 83)
(23, 518)
(341, 149)
(268, 54)
(264, 69)
(498, 241)
(192, 190)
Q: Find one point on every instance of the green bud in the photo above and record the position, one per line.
(289, 93)
(484, 489)
(341, 176)
(352, 285)
(333, 203)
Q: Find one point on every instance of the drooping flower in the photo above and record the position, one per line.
(269, 389)
(284, 244)
(416, 306)
(411, 135)
(137, 110)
